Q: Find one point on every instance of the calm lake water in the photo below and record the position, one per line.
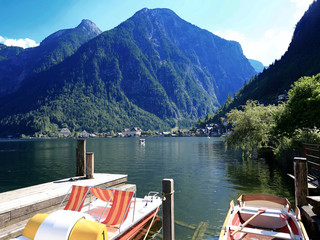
(206, 177)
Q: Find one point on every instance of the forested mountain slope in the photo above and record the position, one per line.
(154, 70)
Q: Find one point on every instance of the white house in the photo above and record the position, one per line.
(84, 134)
(133, 132)
(65, 132)
(208, 130)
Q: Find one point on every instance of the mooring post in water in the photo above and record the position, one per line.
(168, 209)
(81, 158)
(301, 181)
(89, 164)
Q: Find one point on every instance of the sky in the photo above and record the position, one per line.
(264, 28)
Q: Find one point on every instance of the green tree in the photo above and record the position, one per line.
(252, 126)
(302, 110)
(112, 134)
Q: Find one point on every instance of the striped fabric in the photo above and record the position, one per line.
(102, 194)
(119, 209)
(76, 199)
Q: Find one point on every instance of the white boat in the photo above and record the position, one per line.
(94, 214)
(261, 216)
(142, 141)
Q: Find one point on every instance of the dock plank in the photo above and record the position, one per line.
(35, 194)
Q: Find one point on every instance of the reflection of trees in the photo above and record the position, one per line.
(256, 176)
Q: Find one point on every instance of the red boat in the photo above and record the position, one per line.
(261, 216)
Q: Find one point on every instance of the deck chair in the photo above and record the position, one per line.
(119, 209)
(121, 201)
(103, 194)
(77, 197)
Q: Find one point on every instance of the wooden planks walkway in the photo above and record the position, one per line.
(17, 206)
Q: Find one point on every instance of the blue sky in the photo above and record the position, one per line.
(264, 28)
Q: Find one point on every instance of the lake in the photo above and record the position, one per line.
(206, 177)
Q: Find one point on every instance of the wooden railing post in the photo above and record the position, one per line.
(89, 164)
(168, 209)
(81, 158)
(301, 181)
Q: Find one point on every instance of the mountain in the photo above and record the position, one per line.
(258, 66)
(8, 52)
(301, 59)
(154, 70)
(18, 63)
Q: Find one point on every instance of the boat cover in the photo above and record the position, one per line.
(58, 225)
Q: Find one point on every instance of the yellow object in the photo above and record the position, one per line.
(33, 224)
(88, 230)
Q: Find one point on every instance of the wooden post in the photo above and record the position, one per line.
(301, 181)
(81, 158)
(89, 164)
(168, 209)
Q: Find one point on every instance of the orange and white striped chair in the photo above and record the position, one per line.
(103, 194)
(76, 199)
(121, 201)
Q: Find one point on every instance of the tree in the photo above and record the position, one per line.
(302, 110)
(252, 126)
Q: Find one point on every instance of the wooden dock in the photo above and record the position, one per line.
(307, 188)
(18, 206)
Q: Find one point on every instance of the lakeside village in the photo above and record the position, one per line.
(211, 130)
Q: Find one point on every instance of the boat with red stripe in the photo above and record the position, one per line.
(93, 213)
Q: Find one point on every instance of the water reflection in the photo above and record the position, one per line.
(260, 176)
(206, 176)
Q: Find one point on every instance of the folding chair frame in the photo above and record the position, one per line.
(70, 189)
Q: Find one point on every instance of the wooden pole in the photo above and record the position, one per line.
(89, 164)
(301, 181)
(168, 209)
(81, 158)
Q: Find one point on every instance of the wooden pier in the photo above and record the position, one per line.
(307, 188)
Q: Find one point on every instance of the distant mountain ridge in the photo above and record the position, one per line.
(155, 71)
(258, 66)
(15, 67)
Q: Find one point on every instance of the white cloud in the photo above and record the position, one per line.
(265, 48)
(302, 3)
(24, 43)
(273, 42)
(301, 7)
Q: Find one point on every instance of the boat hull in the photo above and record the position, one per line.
(73, 225)
(134, 230)
(260, 216)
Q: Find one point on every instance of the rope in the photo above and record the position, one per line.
(166, 194)
(151, 222)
